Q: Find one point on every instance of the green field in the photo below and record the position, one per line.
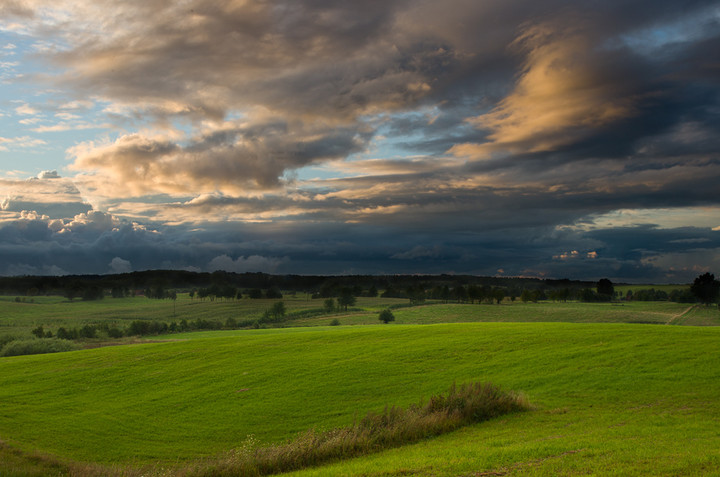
(572, 312)
(53, 311)
(667, 288)
(612, 397)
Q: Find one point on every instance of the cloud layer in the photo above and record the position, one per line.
(373, 137)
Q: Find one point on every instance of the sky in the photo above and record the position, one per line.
(548, 139)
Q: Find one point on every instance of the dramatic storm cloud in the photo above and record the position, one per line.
(562, 139)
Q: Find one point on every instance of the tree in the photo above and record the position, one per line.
(386, 316)
(92, 292)
(278, 310)
(39, 332)
(273, 293)
(416, 294)
(605, 288)
(329, 305)
(346, 298)
(255, 293)
(706, 289)
(587, 295)
(460, 293)
(499, 295)
(526, 296)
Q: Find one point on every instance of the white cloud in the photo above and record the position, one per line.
(118, 265)
(80, 104)
(24, 142)
(67, 116)
(26, 110)
(59, 127)
(48, 175)
(253, 263)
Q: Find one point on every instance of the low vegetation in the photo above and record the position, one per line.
(395, 426)
(37, 346)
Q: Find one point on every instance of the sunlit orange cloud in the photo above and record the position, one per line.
(561, 94)
(410, 165)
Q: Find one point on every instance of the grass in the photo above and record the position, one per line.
(571, 312)
(394, 426)
(612, 398)
(667, 288)
(53, 312)
(19, 319)
(700, 316)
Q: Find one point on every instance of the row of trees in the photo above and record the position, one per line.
(161, 284)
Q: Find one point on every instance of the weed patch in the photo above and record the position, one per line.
(463, 405)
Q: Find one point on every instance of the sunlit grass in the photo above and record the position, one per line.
(608, 395)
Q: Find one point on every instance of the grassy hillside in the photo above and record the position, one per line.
(612, 398)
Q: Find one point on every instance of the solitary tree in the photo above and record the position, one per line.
(605, 288)
(346, 298)
(386, 316)
(278, 310)
(706, 289)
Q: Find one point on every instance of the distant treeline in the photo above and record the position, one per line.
(152, 281)
(165, 284)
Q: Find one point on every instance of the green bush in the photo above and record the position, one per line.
(386, 316)
(37, 346)
(5, 339)
(114, 332)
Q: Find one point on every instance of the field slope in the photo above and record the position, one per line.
(612, 398)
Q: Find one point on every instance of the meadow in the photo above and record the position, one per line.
(20, 317)
(611, 397)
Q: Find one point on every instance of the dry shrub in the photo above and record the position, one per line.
(393, 427)
(463, 405)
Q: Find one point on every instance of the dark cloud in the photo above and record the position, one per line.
(460, 136)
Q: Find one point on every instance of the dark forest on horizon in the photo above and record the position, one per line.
(185, 281)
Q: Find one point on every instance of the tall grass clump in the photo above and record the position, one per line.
(393, 427)
(37, 346)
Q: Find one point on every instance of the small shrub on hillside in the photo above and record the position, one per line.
(67, 334)
(39, 332)
(142, 328)
(335, 322)
(37, 346)
(114, 332)
(5, 339)
(386, 316)
(88, 331)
